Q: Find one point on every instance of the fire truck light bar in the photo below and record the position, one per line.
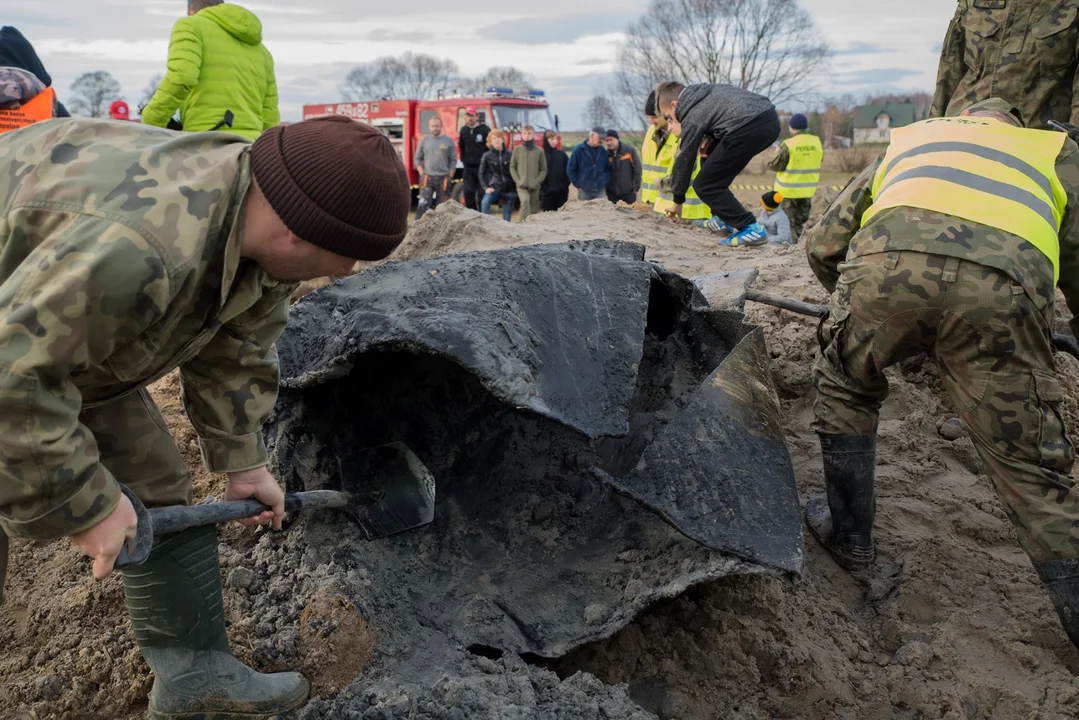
(530, 92)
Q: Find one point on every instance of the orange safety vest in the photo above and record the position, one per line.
(39, 108)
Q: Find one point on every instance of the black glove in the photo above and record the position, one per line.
(1066, 343)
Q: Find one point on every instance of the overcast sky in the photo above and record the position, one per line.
(881, 45)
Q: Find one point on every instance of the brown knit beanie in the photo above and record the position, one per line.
(335, 183)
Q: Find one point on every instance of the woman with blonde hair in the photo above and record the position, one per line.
(495, 178)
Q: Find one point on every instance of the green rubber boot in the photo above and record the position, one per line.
(174, 600)
(1061, 579)
(843, 521)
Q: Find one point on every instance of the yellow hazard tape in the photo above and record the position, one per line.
(769, 187)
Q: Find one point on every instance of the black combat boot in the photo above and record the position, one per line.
(843, 523)
(1061, 579)
(174, 600)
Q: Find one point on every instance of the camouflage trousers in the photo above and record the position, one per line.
(798, 213)
(136, 446)
(992, 347)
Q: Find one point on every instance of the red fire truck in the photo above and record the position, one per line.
(405, 121)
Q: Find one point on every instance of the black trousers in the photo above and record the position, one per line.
(553, 201)
(628, 199)
(472, 188)
(727, 160)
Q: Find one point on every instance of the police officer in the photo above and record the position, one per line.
(1023, 51)
(797, 163)
(953, 244)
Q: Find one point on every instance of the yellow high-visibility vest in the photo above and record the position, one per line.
(693, 208)
(982, 170)
(802, 175)
(655, 163)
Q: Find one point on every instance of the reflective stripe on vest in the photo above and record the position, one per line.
(38, 108)
(802, 175)
(693, 208)
(981, 170)
(655, 163)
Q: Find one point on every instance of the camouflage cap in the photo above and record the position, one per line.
(17, 86)
(998, 105)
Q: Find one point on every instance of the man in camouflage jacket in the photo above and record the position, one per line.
(1023, 51)
(907, 281)
(126, 252)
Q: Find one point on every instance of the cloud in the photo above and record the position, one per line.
(876, 76)
(593, 61)
(862, 48)
(405, 36)
(553, 30)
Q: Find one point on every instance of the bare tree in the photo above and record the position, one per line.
(504, 77)
(148, 91)
(412, 75)
(768, 46)
(92, 92)
(600, 111)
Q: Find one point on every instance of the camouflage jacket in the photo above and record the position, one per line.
(119, 262)
(840, 236)
(1023, 51)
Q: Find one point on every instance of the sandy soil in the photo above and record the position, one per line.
(953, 624)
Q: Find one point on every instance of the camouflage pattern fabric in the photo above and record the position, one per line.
(797, 211)
(120, 262)
(1021, 50)
(840, 236)
(991, 344)
(779, 161)
(17, 86)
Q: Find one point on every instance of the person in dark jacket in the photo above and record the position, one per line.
(495, 177)
(554, 192)
(588, 167)
(625, 178)
(472, 146)
(17, 52)
(737, 124)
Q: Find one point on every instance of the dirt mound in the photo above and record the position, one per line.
(954, 625)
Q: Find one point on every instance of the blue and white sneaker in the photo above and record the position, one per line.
(715, 225)
(754, 234)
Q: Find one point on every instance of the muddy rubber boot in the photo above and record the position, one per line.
(1061, 579)
(843, 522)
(174, 600)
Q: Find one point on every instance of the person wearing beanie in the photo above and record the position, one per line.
(625, 178)
(774, 219)
(588, 168)
(173, 251)
(797, 163)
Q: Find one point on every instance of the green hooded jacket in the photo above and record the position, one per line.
(216, 63)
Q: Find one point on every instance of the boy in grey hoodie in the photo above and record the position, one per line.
(736, 125)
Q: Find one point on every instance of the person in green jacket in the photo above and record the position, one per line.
(217, 62)
(528, 166)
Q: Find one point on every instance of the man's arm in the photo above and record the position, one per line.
(829, 239)
(417, 159)
(515, 157)
(571, 166)
(88, 289)
(271, 115)
(685, 161)
(1068, 172)
(779, 161)
(453, 157)
(230, 387)
(950, 69)
(184, 67)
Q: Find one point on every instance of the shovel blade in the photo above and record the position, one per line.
(399, 492)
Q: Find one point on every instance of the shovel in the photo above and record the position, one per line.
(400, 497)
(733, 288)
